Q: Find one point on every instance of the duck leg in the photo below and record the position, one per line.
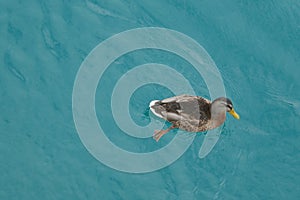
(158, 134)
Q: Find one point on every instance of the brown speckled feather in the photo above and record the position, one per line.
(190, 113)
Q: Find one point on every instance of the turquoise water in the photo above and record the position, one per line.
(256, 46)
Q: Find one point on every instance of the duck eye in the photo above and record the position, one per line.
(230, 107)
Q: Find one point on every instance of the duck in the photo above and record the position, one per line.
(191, 113)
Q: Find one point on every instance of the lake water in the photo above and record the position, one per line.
(254, 44)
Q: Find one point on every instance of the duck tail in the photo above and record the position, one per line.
(155, 108)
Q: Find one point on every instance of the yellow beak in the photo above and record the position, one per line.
(234, 114)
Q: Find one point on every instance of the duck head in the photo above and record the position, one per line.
(222, 104)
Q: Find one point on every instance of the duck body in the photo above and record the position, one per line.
(191, 113)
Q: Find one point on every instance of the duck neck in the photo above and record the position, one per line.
(218, 115)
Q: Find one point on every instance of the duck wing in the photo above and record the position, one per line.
(183, 108)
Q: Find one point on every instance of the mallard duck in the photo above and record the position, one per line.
(191, 113)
